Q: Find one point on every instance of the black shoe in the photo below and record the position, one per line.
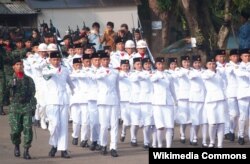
(2, 111)
(70, 121)
(227, 136)
(26, 154)
(93, 145)
(146, 147)
(241, 141)
(65, 154)
(113, 153)
(37, 123)
(75, 141)
(122, 138)
(194, 143)
(53, 151)
(232, 137)
(134, 144)
(104, 150)
(84, 143)
(98, 147)
(17, 151)
(204, 146)
(120, 121)
(183, 141)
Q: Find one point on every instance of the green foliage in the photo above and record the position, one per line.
(165, 5)
(241, 4)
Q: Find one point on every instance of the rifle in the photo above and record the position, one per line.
(55, 37)
(84, 26)
(148, 50)
(70, 34)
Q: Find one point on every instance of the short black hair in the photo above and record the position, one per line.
(125, 26)
(111, 24)
(96, 24)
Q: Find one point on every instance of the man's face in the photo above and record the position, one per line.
(28, 44)
(77, 66)
(245, 57)
(220, 58)
(120, 46)
(19, 45)
(55, 61)
(95, 62)
(79, 51)
(86, 62)
(105, 62)
(141, 50)
(71, 51)
(18, 67)
(89, 51)
(234, 58)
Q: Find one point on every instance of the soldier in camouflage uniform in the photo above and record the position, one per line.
(21, 109)
(2, 80)
(19, 52)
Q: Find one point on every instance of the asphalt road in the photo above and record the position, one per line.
(40, 148)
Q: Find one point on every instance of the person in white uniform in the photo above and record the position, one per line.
(243, 93)
(124, 88)
(130, 49)
(182, 92)
(92, 102)
(231, 93)
(215, 103)
(108, 101)
(145, 101)
(56, 78)
(163, 100)
(196, 102)
(79, 103)
(134, 101)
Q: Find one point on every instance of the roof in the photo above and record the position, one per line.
(60, 4)
(12, 7)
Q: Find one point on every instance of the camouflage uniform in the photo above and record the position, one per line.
(2, 76)
(20, 53)
(21, 109)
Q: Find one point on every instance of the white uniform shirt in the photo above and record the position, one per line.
(146, 87)
(55, 85)
(183, 89)
(243, 80)
(231, 88)
(116, 57)
(124, 86)
(135, 86)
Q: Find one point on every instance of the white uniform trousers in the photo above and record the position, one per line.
(233, 114)
(125, 113)
(108, 117)
(80, 118)
(216, 112)
(244, 108)
(183, 112)
(93, 120)
(197, 113)
(58, 126)
(163, 116)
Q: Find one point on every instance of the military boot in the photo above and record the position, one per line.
(2, 111)
(26, 154)
(17, 151)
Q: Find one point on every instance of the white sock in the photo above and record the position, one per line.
(212, 132)
(182, 130)
(154, 137)
(220, 135)
(159, 138)
(146, 135)
(204, 133)
(169, 137)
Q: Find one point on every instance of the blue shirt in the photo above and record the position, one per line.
(244, 36)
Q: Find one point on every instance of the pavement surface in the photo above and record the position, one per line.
(40, 148)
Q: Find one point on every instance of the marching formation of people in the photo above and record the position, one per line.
(101, 79)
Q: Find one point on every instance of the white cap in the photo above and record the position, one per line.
(52, 47)
(42, 47)
(130, 44)
(141, 44)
